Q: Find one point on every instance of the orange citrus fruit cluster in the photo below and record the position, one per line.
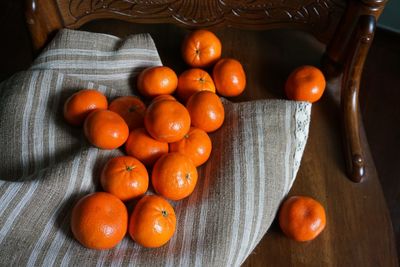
(168, 137)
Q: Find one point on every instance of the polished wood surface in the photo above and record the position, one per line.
(337, 49)
(379, 104)
(43, 20)
(354, 209)
(320, 17)
(359, 46)
(345, 56)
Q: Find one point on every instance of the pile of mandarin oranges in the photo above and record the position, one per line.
(168, 139)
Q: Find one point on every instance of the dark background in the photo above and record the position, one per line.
(380, 94)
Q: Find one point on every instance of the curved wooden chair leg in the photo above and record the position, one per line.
(359, 46)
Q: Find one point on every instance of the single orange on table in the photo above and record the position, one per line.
(201, 48)
(196, 145)
(125, 177)
(144, 147)
(167, 120)
(159, 80)
(174, 176)
(306, 83)
(99, 221)
(79, 105)
(302, 218)
(131, 109)
(229, 77)
(206, 111)
(192, 81)
(153, 222)
(106, 129)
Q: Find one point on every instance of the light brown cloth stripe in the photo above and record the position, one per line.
(45, 165)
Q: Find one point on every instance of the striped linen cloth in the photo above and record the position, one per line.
(46, 165)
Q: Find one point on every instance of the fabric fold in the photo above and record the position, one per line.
(46, 165)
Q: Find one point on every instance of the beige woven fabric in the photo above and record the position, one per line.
(45, 165)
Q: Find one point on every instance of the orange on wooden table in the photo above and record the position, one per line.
(131, 109)
(305, 83)
(106, 129)
(201, 48)
(144, 147)
(159, 80)
(167, 120)
(229, 77)
(125, 177)
(174, 176)
(153, 222)
(302, 218)
(196, 145)
(192, 81)
(206, 111)
(99, 220)
(79, 105)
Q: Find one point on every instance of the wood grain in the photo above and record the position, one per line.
(358, 50)
(337, 50)
(379, 105)
(206, 13)
(43, 20)
(319, 17)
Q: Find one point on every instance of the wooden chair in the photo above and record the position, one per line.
(359, 230)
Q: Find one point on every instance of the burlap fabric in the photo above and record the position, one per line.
(46, 165)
